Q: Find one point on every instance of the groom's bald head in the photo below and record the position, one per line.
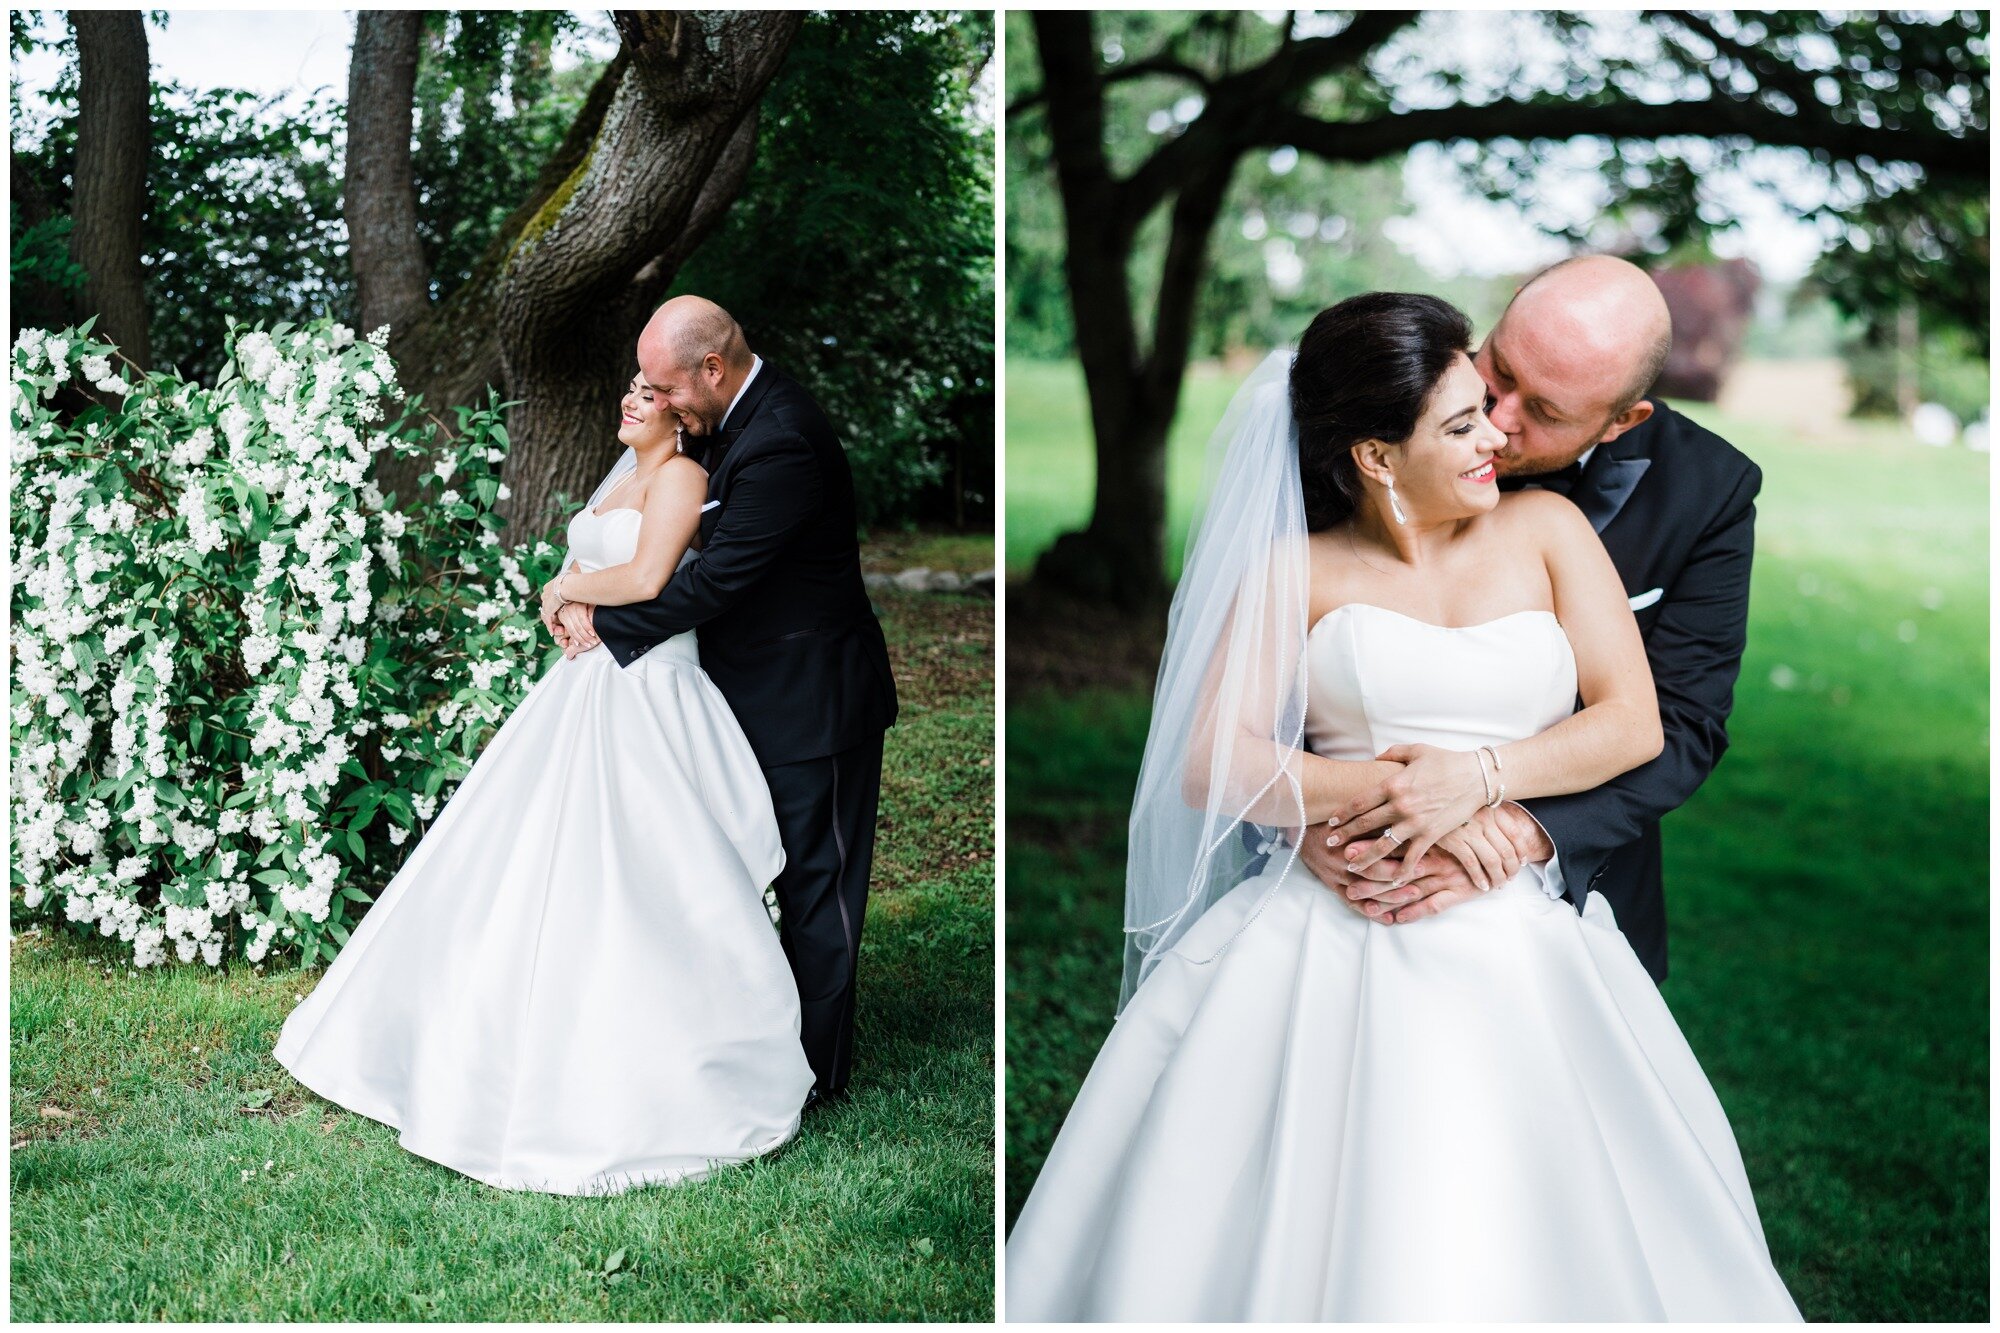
(684, 332)
(695, 355)
(1572, 359)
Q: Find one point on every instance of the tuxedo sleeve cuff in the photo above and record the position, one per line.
(1552, 875)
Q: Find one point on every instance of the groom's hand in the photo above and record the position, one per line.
(1442, 882)
(1357, 890)
(578, 635)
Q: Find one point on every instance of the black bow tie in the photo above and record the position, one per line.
(1562, 481)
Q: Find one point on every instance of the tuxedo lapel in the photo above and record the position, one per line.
(1609, 481)
(746, 406)
(716, 447)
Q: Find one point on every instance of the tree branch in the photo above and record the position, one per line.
(1239, 104)
(1366, 141)
(1771, 74)
(1195, 211)
(1139, 69)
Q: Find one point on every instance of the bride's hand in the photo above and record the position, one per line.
(552, 601)
(1436, 791)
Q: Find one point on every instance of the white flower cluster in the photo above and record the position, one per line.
(224, 645)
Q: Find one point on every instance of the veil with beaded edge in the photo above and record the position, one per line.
(627, 462)
(1228, 726)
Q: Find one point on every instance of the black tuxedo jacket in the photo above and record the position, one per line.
(1674, 505)
(787, 632)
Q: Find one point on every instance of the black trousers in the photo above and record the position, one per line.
(826, 817)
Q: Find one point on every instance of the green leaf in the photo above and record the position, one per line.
(354, 843)
(615, 1262)
(273, 876)
(258, 1100)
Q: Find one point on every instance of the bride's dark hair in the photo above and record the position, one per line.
(1365, 370)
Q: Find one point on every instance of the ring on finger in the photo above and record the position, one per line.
(1392, 836)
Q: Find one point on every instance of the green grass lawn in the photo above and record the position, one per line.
(930, 548)
(1828, 886)
(139, 1101)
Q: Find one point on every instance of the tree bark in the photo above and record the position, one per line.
(671, 153)
(391, 280)
(113, 142)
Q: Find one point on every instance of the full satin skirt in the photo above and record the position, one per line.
(573, 985)
(1485, 1115)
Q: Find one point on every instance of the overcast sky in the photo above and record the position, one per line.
(298, 52)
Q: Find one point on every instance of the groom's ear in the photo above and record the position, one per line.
(1625, 420)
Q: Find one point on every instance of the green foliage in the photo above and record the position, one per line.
(242, 677)
(243, 221)
(1894, 232)
(859, 256)
(489, 111)
(1945, 367)
(40, 253)
(1834, 987)
(129, 1193)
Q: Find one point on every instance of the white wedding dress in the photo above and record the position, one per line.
(1485, 1115)
(573, 984)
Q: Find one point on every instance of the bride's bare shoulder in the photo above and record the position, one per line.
(1538, 508)
(1542, 520)
(679, 481)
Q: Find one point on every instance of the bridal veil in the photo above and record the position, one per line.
(1219, 787)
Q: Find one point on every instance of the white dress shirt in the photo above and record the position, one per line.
(756, 364)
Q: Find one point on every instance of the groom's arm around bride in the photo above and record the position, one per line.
(1675, 506)
(787, 634)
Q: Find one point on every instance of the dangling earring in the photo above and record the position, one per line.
(1395, 508)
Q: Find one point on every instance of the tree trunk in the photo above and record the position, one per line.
(113, 141)
(586, 272)
(450, 356)
(1120, 557)
(391, 280)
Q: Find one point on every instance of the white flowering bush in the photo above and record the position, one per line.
(244, 679)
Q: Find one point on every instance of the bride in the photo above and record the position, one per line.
(573, 984)
(1304, 1113)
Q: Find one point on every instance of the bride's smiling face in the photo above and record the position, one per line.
(644, 417)
(1444, 471)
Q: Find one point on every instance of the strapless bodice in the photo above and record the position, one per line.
(1377, 678)
(599, 541)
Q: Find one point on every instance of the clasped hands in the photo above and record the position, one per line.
(1448, 846)
(569, 624)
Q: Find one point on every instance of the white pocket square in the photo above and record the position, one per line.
(1646, 599)
(713, 503)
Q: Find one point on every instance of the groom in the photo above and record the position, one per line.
(787, 634)
(1567, 369)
